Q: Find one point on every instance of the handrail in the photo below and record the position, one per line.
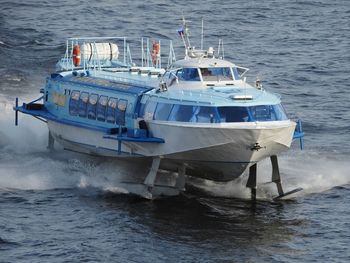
(94, 38)
(124, 79)
(125, 57)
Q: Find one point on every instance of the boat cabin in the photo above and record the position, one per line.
(203, 72)
(103, 104)
(92, 102)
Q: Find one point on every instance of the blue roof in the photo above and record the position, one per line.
(217, 96)
(100, 83)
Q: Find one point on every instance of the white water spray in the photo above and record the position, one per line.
(25, 163)
(309, 170)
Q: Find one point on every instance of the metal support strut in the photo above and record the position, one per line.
(181, 179)
(51, 142)
(276, 178)
(251, 183)
(151, 176)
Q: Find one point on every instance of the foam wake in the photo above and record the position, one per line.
(26, 164)
(309, 170)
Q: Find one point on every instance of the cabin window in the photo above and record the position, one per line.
(111, 110)
(233, 114)
(280, 112)
(241, 71)
(200, 114)
(268, 113)
(142, 109)
(252, 113)
(205, 115)
(216, 74)
(183, 113)
(83, 101)
(101, 108)
(74, 103)
(91, 107)
(261, 113)
(188, 74)
(167, 75)
(236, 74)
(162, 111)
(149, 110)
(120, 112)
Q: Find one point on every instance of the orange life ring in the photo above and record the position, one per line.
(156, 53)
(76, 55)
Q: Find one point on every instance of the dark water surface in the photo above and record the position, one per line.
(66, 207)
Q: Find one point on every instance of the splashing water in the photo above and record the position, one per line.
(308, 170)
(30, 136)
(26, 164)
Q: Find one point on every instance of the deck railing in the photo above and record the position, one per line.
(143, 54)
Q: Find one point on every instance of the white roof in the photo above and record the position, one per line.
(202, 63)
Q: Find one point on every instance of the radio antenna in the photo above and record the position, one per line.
(202, 34)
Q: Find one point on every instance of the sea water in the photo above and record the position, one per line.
(67, 207)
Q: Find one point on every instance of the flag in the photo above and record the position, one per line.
(181, 31)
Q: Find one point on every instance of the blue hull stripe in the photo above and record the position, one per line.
(107, 149)
(49, 116)
(107, 131)
(134, 139)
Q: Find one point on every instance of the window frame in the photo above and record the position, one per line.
(234, 117)
(217, 77)
(82, 105)
(92, 108)
(156, 111)
(100, 107)
(111, 108)
(149, 115)
(121, 113)
(74, 103)
(180, 76)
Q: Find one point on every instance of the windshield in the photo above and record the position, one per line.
(188, 74)
(216, 74)
(207, 114)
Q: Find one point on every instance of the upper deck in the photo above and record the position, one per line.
(201, 78)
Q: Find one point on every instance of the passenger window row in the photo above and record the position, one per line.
(180, 113)
(205, 114)
(95, 107)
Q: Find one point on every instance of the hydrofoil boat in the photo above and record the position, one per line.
(196, 117)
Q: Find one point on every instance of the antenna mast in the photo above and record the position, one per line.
(186, 33)
(202, 34)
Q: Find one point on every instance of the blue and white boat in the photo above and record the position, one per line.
(197, 117)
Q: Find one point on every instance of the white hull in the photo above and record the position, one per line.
(218, 152)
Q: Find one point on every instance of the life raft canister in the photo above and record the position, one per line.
(76, 55)
(156, 53)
